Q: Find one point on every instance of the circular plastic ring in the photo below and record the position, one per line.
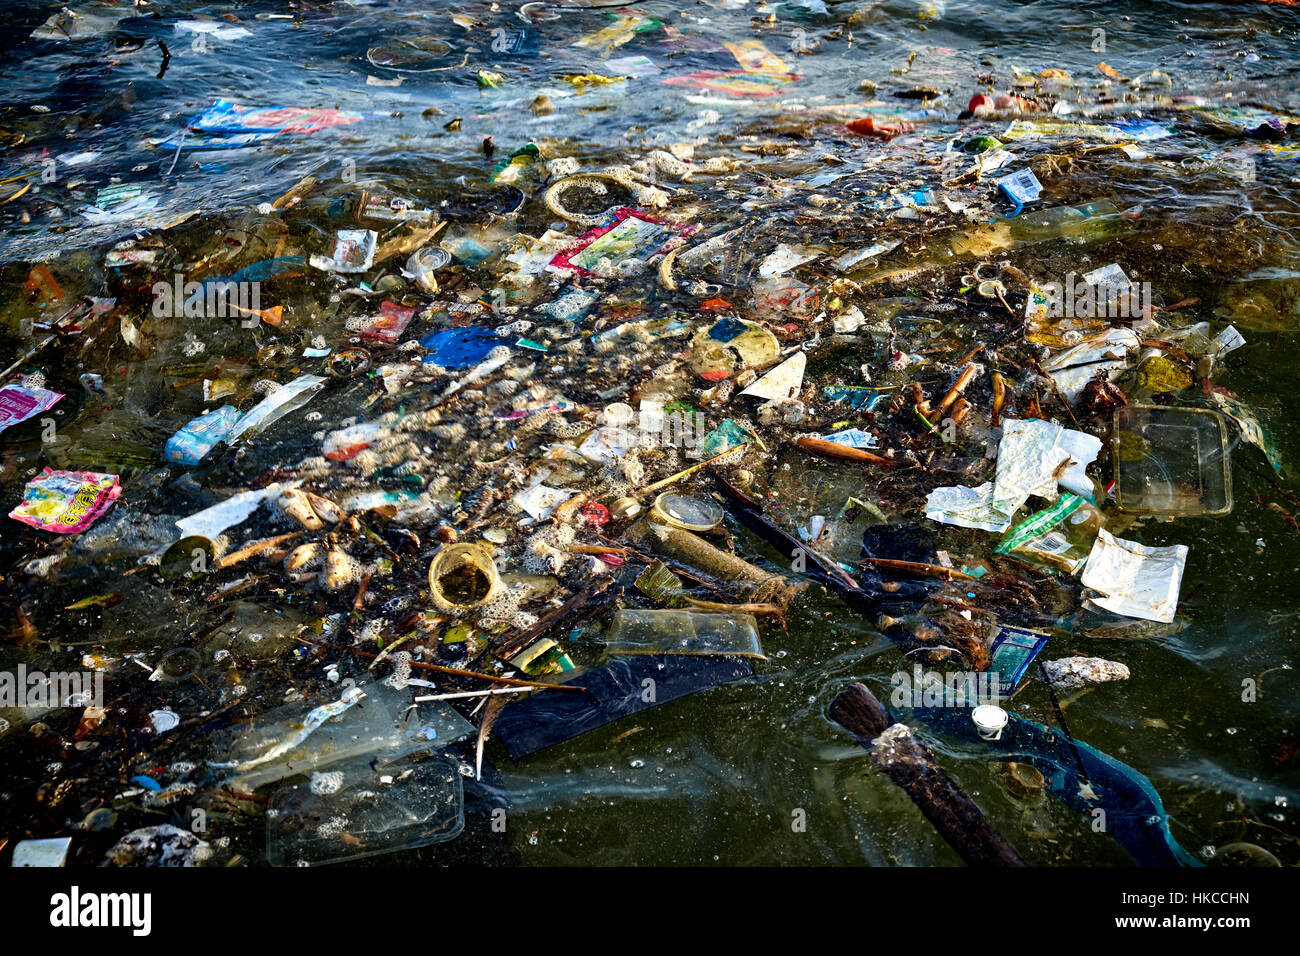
(554, 196)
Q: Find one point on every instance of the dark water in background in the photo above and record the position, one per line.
(715, 778)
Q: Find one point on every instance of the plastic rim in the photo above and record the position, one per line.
(686, 512)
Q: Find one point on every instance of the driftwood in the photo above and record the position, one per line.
(911, 765)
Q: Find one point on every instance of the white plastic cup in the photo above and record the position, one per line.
(618, 415)
(990, 721)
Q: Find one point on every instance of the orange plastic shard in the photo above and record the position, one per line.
(40, 281)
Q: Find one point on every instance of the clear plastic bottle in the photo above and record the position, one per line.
(1085, 222)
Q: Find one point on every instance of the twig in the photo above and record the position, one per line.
(257, 547)
(772, 609)
(688, 471)
(830, 449)
(361, 592)
(1055, 391)
(918, 567)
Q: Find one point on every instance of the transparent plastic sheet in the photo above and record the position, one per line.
(682, 632)
(358, 810)
(274, 745)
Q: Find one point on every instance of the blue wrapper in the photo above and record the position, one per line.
(196, 439)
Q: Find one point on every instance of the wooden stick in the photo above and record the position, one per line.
(911, 765)
(736, 608)
(361, 592)
(999, 397)
(687, 471)
(967, 376)
(1010, 311)
(1184, 304)
(830, 449)
(960, 409)
(918, 567)
(257, 547)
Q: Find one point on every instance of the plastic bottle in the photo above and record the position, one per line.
(1085, 222)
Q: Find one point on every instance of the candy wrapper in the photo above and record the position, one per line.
(18, 403)
(196, 439)
(389, 324)
(66, 502)
(625, 242)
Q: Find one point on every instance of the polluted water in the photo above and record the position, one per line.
(636, 421)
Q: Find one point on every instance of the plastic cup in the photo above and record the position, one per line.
(990, 720)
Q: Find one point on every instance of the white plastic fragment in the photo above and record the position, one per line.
(1135, 580)
(541, 500)
(1228, 339)
(210, 522)
(785, 258)
(1030, 460)
(966, 508)
(48, 852)
(782, 382)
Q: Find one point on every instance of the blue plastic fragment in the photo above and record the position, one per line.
(460, 348)
(727, 329)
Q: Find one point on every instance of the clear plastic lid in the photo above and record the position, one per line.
(687, 512)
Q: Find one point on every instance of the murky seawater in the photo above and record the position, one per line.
(718, 777)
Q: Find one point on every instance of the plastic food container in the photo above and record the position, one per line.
(1171, 461)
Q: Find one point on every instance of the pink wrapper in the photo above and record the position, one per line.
(66, 502)
(19, 403)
